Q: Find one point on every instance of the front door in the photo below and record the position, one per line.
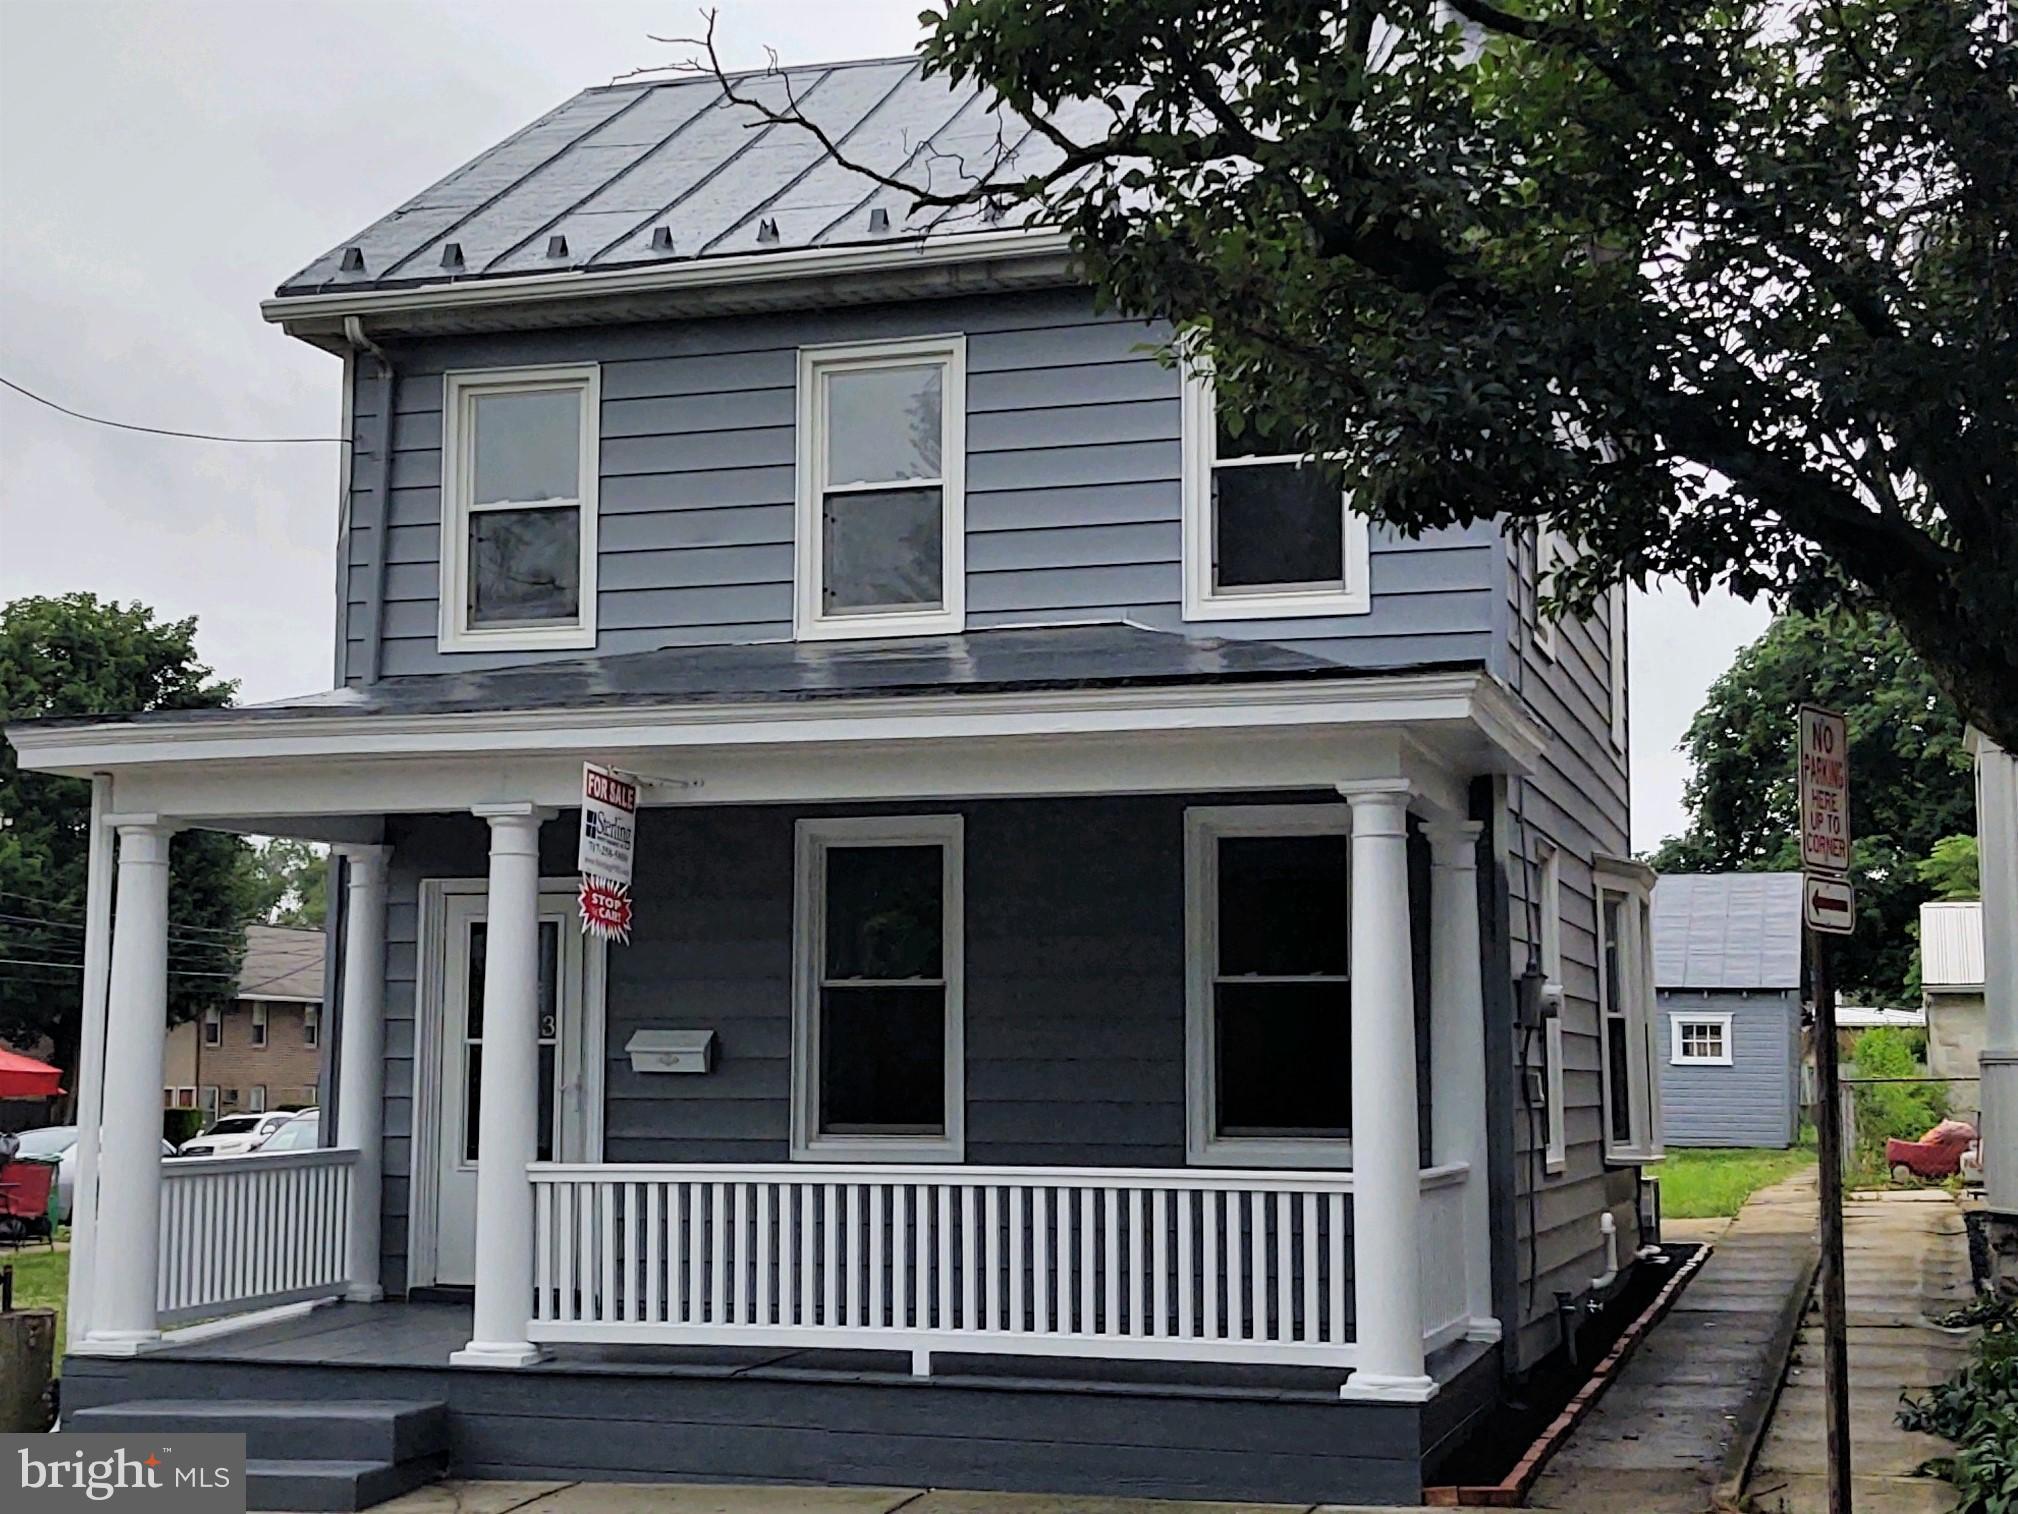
(561, 1092)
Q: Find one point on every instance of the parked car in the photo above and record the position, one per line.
(236, 1134)
(302, 1133)
(60, 1141)
(1937, 1154)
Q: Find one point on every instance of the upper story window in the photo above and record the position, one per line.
(311, 1026)
(259, 1025)
(519, 455)
(1626, 1012)
(1266, 535)
(881, 470)
(213, 1026)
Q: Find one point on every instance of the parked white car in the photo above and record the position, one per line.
(302, 1133)
(60, 1141)
(236, 1134)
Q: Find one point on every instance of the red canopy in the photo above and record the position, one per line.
(25, 1078)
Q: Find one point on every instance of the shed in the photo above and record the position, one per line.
(1727, 974)
(1951, 983)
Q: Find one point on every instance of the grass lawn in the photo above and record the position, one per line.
(1701, 1183)
(41, 1281)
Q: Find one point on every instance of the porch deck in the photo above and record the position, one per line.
(704, 1413)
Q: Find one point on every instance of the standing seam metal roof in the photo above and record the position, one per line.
(605, 170)
(1727, 931)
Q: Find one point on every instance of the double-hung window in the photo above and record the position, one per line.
(259, 1025)
(213, 1026)
(519, 452)
(1626, 1011)
(877, 1042)
(1266, 533)
(1268, 1007)
(881, 472)
(311, 1026)
(1700, 1040)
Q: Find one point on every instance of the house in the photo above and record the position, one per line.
(1951, 988)
(1728, 980)
(1070, 1036)
(263, 1048)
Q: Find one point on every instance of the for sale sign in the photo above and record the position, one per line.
(609, 824)
(1825, 792)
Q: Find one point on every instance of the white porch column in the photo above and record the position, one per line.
(129, 1145)
(360, 1124)
(508, 1120)
(1457, 1049)
(1997, 844)
(100, 851)
(1386, 1152)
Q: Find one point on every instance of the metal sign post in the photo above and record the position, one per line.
(1828, 907)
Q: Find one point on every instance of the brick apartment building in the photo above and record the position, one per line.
(264, 1049)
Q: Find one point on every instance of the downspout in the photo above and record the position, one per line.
(381, 497)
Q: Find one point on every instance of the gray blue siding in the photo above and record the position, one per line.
(1073, 487)
(1753, 1102)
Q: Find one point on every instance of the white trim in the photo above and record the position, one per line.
(816, 365)
(1202, 599)
(1616, 628)
(1632, 883)
(259, 1029)
(812, 839)
(1555, 1156)
(460, 389)
(1551, 913)
(1204, 827)
(424, 1128)
(1678, 1055)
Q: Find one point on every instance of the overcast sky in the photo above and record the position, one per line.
(164, 166)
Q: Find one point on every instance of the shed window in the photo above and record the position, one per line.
(1269, 1010)
(1266, 533)
(882, 437)
(877, 1044)
(1700, 1040)
(1625, 1008)
(519, 463)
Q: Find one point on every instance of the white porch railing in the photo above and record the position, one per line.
(243, 1233)
(1171, 1264)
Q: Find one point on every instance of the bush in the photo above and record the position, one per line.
(1887, 1110)
(179, 1125)
(1977, 1409)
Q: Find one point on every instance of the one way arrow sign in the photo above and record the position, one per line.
(1828, 904)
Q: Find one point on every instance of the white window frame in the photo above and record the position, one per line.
(255, 1099)
(1551, 913)
(460, 391)
(259, 1026)
(311, 1027)
(1678, 1053)
(1202, 600)
(1634, 884)
(213, 1026)
(813, 839)
(1204, 827)
(207, 1101)
(816, 365)
(1555, 1155)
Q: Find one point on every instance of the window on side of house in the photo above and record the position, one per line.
(1555, 1156)
(259, 1025)
(878, 1039)
(881, 538)
(255, 1098)
(519, 454)
(213, 1026)
(1268, 1013)
(1699, 1040)
(311, 1027)
(1266, 533)
(209, 1102)
(1626, 1013)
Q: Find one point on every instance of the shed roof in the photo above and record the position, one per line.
(665, 171)
(1951, 944)
(1727, 930)
(281, 962)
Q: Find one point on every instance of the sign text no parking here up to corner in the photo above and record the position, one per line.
(122, 1474)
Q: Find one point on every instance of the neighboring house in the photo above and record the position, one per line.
(1081, 882)
(264, 1048)
(1727, 964)
(1951, 987)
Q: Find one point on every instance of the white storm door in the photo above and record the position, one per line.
(560, 1067)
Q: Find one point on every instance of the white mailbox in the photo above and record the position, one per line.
(671, 1050)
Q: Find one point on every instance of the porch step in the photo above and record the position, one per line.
(302, 1454)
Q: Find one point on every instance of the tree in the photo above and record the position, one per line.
(287, 882)
(1720, 292)
(78, 655)
(1910, 778)
(1953, 870)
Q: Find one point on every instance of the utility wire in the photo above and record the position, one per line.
(194, 436)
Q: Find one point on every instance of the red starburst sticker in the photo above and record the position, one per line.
(606, 908)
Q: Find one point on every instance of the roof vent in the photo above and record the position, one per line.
(767, 230)
(451, 257)
(557, 247)
(662, 239)
(879, 221)
(353, 260)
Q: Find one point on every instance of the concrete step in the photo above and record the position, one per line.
(290, 1430)
(322, 1484)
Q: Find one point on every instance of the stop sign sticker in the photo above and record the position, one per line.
(606, 909)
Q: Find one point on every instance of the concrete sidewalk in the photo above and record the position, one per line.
(1657, 1441)
(687, 1498)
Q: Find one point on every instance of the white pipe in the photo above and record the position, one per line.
(90, 1090)
(1608, 1228)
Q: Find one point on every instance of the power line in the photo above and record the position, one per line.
(194, 436)
(174, 929)
(78, 967)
